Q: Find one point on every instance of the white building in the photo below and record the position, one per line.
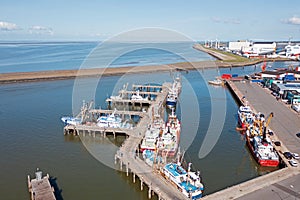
(259, 48)
(292, 50)
(238, 45)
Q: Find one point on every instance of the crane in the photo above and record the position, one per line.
(266, 124)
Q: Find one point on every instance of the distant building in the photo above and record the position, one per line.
(238, 45)
(259, 49)
(292, 50)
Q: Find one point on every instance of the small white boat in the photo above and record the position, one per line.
(216, 82)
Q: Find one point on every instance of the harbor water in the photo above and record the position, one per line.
(32, 136)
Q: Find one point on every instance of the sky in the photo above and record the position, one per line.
(99, 20)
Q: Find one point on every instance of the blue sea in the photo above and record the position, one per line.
(40, 56)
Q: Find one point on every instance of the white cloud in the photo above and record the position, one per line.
(41, 30)
(6, 26)
(293, 20)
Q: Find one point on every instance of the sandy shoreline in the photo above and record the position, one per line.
(70, 74)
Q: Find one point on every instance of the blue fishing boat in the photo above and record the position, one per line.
(188, 182)
(171, 99)
(174, 92)
(150, 156)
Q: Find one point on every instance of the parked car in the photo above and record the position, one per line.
(277, 143)
(293, 163)
(298, 135)
(288, 155)
(296, 107)
(295, 156)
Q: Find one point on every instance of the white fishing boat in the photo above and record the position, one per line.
(138, 97)
(71, 120)
(245, 116)
(188, 182)
(169, 140)
(112, 120)
(150, 139)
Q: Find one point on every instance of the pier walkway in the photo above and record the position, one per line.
(133, 164)
(127, 155)
(40, 188)
(285, 124)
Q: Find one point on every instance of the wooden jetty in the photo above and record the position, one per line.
(119, 112)
(128, 101)
(127, 154)
(40, 188)
(147, 87)
(140, 92)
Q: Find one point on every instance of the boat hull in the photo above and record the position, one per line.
(261, 162)
(171, 103)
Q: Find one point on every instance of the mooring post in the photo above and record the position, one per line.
(127, 169)
(149, 192)
(141, 183)
(121, 164)
(133, 177)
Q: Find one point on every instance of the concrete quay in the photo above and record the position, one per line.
(283, 183)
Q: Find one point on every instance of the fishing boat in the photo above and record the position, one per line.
(169, 140)
(174, 92)
(245, 116)
(216, 82)
(262, 150)
(171, 99)
(71, 120)
(112, 120)
(188, 182)
(150, 156)
(138, 97)
(150, 139)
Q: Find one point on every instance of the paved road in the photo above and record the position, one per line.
(285, 123)
(288, 189)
